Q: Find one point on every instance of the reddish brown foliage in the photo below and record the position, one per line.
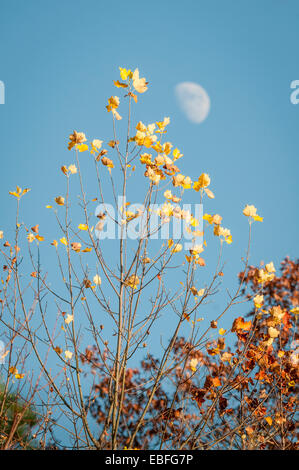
(243, 397)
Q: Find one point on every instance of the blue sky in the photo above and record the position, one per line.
(58, 60)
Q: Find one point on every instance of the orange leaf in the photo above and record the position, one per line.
(200, 261)
(216, 382)
(240, 324)
(35, 228)
(269, 420)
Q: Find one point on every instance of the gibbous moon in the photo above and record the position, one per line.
(193, 100)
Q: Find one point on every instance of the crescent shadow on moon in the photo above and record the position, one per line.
(193, 100)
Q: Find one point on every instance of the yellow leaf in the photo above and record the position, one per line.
(68, 354)
(97, 280)
(208, 218)
(176, 154)
(140, 84)
(86, 250)
(177, 248)
(116, 115)
(82, 147)
(170, 243)
(69, 318)
(18, 192)
(226, 357)
(209, 193)
(229, 240)
(82, 227)
(203, 182)
(258, 301)
(257, 218)
(25, 191)
(132, 281)
(30, 237)
(124, 73)
(76, 138)
(72, 169)
(250, 210)
(295, 311)
(113, 103)
(63, 241)
(273, 332)
(269, 420)
(222, 331)
(96, 145)
(270, 267)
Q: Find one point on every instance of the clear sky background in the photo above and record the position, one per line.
(58, 60)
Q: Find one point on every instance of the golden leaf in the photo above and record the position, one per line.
(59, 200)
(83, 227)
(119, 84)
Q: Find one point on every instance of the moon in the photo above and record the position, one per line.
(193, 100)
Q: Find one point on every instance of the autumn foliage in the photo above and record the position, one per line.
(242, 395)
(83, 300)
